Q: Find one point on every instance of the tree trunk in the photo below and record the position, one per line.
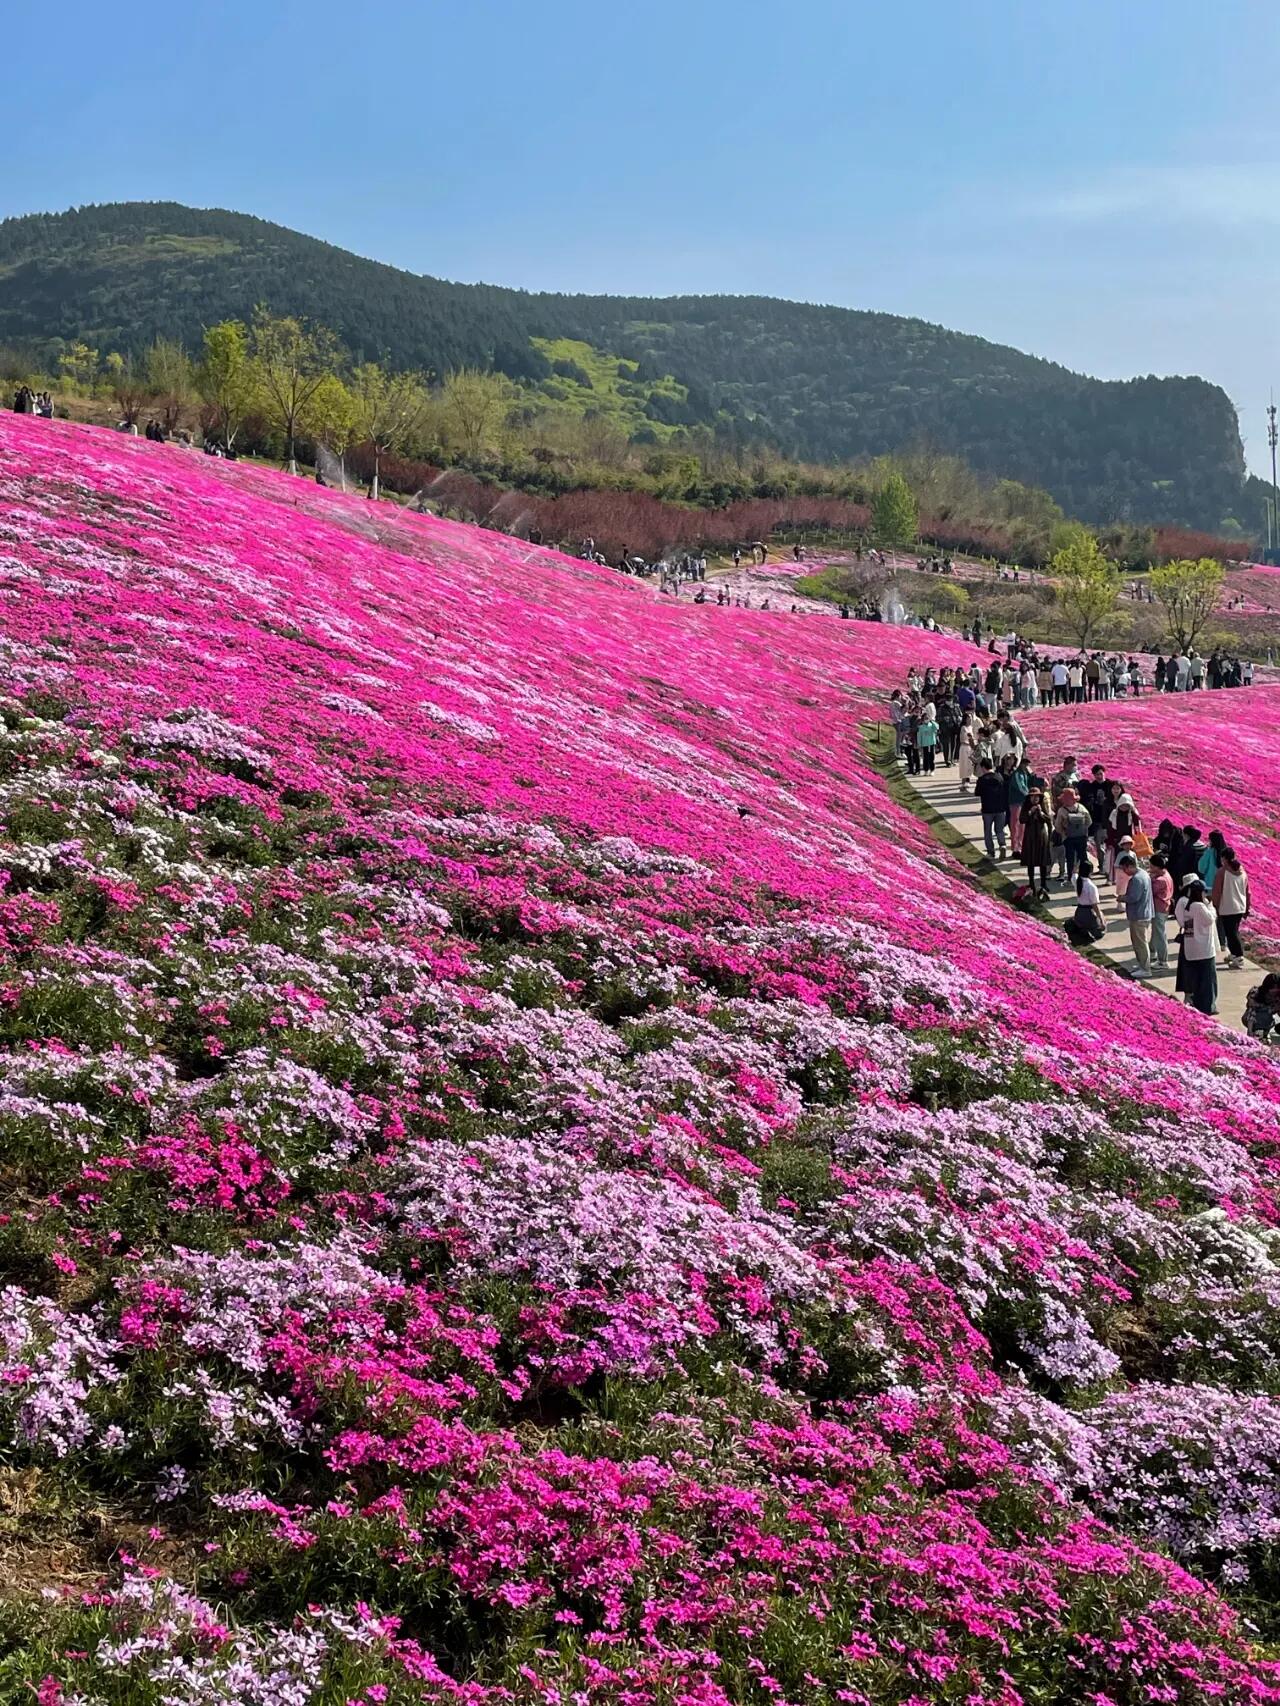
(373, 484)
(293, 460)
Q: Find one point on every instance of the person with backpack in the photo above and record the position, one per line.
(1071, 825)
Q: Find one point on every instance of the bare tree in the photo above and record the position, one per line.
(129, 386)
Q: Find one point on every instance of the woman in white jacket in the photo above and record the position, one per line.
(1231, 898)
(1198, 969)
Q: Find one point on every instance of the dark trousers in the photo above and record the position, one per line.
(1202, 984)
(926, 759)
(1075, 846)
(1060, 695)
(1229, 933)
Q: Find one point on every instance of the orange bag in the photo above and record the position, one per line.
(1142, 844)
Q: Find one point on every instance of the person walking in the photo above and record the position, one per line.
(993, 796)
(1200, 945)
(1036, 831)
(1230, 899)
(1139, 907)
(1161, 902)
(948, 730)
(1071, 825)
(1061, 678)
(968, 754)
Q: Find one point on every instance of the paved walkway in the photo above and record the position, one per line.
(942, 791)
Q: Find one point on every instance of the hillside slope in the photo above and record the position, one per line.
(527, 1176)
(824, 383)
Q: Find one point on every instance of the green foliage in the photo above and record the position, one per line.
(170, 379)
(1088, 586)
(331, 416)
(894, 516)
(129, 385)
(475, 405)
(225, 378)
(387, 410)
(291, 360)
(815, 383)
(1190, 592)
(78, 366)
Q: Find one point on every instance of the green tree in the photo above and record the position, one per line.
(329, 419)
(389, 409)
(1190, 592)
(78, 366)
(475, 405)
(941, 598)
(171, 379)
(225, 378)
(291, 359)
(894, 517)
(1088, 586)
(128, 384)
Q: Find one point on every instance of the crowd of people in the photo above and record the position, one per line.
(1175, 887)
(29, 402)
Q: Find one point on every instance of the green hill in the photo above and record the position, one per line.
(821, 383)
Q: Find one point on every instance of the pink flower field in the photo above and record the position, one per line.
(529, 1178)
(1208, 758)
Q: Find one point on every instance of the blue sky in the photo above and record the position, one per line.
(1098, 183)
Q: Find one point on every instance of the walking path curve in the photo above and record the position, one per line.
(942, 792)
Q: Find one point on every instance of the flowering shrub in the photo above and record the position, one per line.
(527, 1176)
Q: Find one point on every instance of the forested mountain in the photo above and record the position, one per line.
(820, 383)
